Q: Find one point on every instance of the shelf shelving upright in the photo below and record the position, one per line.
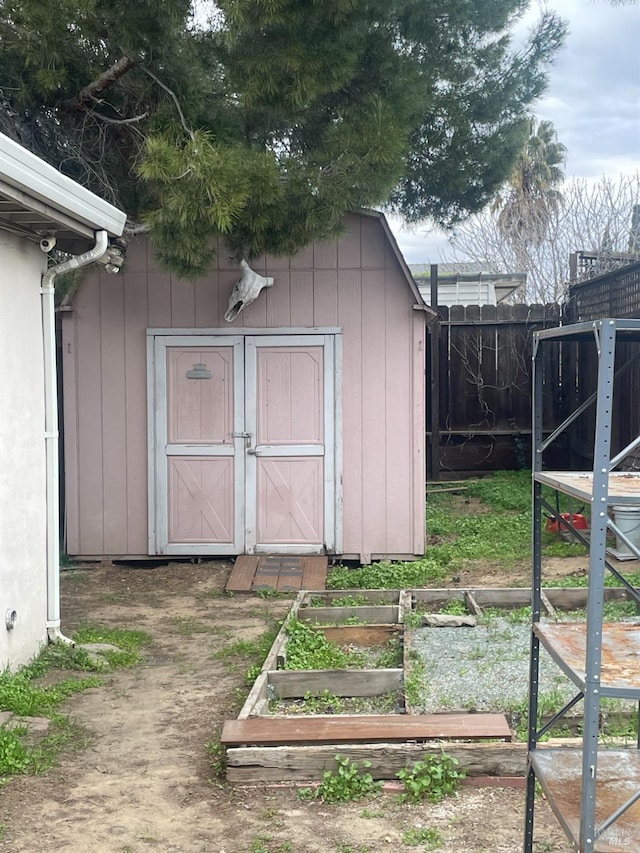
(593, 791)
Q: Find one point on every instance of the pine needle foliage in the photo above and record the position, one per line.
(267, 122)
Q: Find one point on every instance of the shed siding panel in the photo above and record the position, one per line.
(159, 297)
(303, 260)
(325, 255)
(278, 301)
(398, 447)
(383, 376)
(183, 304)
(349, 252)
(374, 431)
(114, 438)
(89, 396)
(301, 294)
(350, 314)
(206, 303)
(373, 244)
(325, 298)
(135, 307)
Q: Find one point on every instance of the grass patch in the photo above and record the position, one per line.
(252, 652)
(25, 694)
(492, 521)
(127, 640)
(388, 575)
(19, 695)
(129, 645)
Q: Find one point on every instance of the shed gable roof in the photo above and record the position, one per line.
(404, 267)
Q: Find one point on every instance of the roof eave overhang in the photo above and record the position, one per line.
(31, 186)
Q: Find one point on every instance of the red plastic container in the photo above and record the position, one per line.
(576, 518)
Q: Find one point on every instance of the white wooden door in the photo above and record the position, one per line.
(242, 434)
(290, 465)
(197, 484)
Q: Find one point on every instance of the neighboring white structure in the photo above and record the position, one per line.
(39, 209)
(469, 287)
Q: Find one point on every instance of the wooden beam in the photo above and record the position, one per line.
(360, 635)
(272, 731)
(305, 763)
(242, 574)
(378, 615)
(294, 684)
(315, 572)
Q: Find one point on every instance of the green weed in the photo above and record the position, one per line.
(415, 681)
(309, 649)
(429, 837)
(433, 778)
(413, 619)
(347, 782)
(218, 757)
(497, 529)
(19, 695)
(14, 755)
(455, 607)
(387, 575)
(341, 601)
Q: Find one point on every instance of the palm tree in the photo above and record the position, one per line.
(532, 196)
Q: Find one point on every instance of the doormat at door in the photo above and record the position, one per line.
(281, 573)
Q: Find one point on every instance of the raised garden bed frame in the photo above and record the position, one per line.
(262, 747)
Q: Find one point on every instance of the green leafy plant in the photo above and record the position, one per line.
(347, 782)
(308, 648)
(432, 778)
(413, 619)
(455, 607)
(387, 575)
(415, 680)
(305, 794)
(19, 695)
(414, 837)
(218, 756)
(14, 755)
(342, 601)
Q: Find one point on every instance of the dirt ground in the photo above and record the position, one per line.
(144, 781)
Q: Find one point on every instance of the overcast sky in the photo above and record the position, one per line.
(593, 100)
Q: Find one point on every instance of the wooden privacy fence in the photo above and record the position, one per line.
(479, 386)
(614, 294)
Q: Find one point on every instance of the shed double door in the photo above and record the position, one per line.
(242, 435)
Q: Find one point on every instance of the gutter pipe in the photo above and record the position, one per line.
(51, 433)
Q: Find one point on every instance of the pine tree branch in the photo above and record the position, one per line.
(104, 81)
(132, 120)
(174, 98)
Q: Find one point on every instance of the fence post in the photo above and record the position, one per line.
(434, 415)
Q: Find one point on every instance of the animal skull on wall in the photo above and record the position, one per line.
(245, 291)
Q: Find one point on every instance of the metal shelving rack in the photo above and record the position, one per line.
(594, 791)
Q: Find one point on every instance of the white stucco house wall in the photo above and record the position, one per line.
(39, 209)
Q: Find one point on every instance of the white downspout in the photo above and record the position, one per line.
(51, 434)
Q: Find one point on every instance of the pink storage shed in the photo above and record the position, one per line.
(297, 428)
